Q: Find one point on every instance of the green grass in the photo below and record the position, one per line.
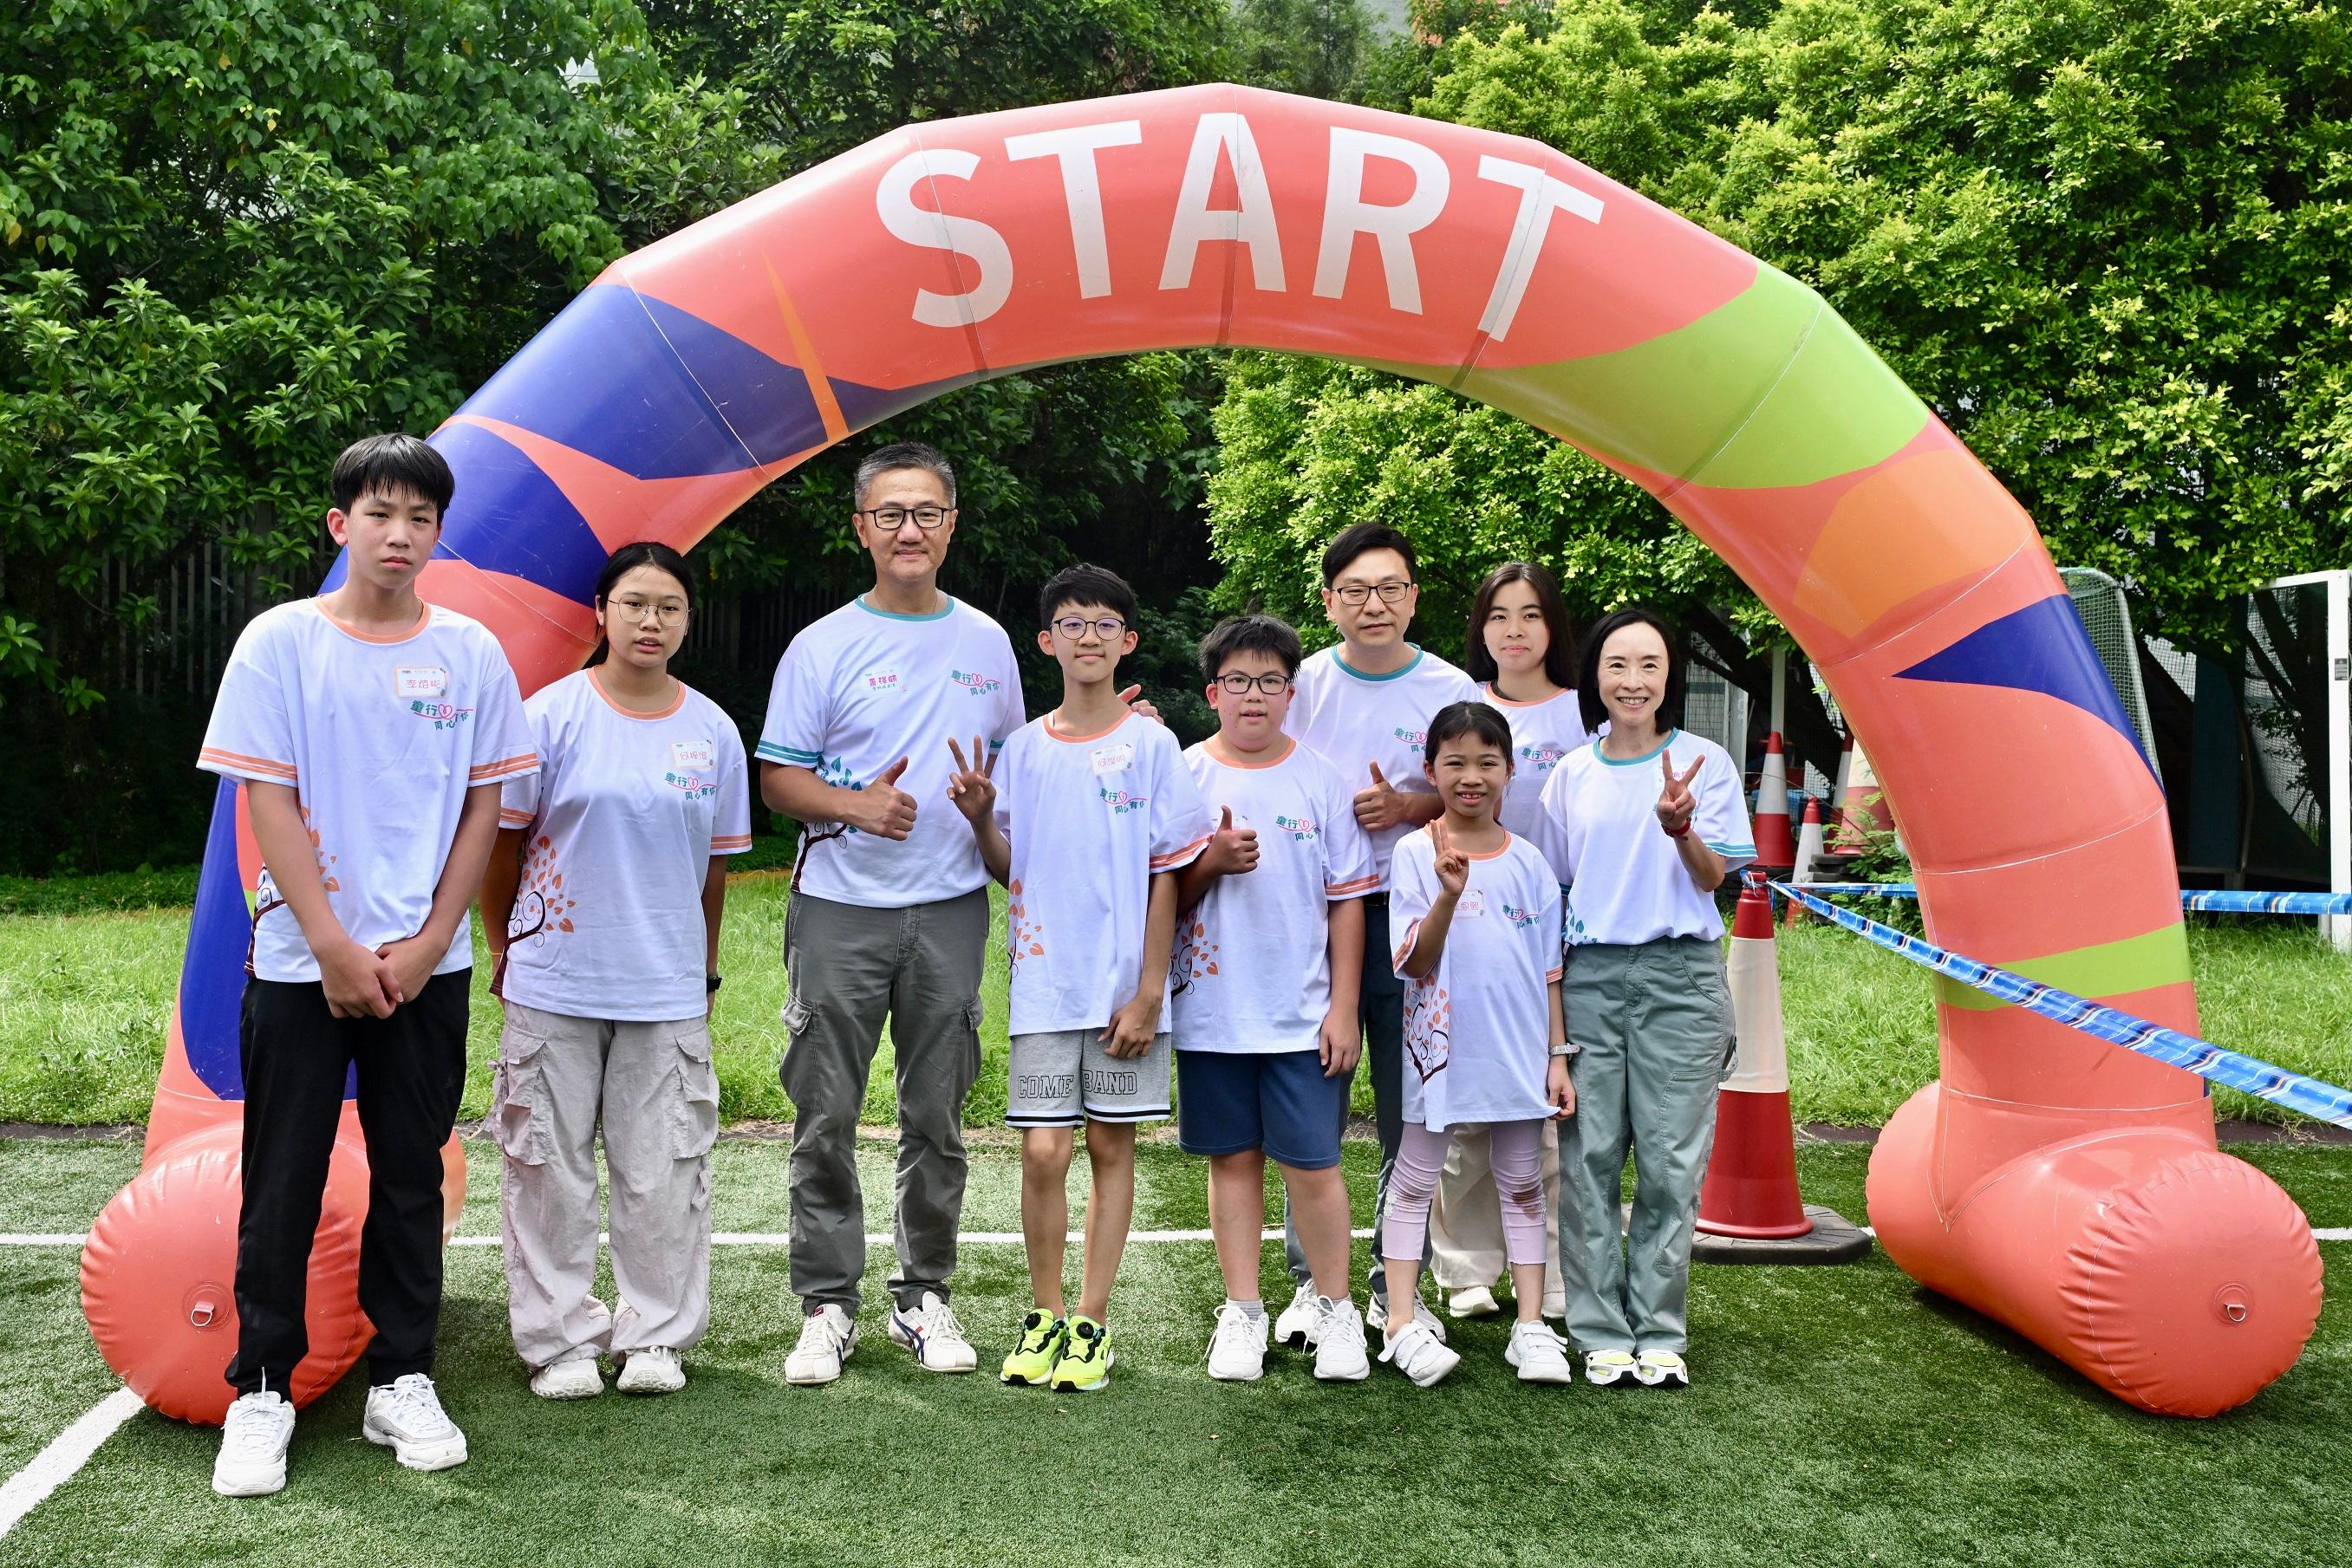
(83, 1000)
(1839, 1416)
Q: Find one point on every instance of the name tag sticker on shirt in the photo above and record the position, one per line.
(411, 681)
(1472, 904)
(882, 678)
(1114, 758)
(685, 753)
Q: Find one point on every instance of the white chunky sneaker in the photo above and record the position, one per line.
(1237, 1348)
(1339, 1353)
(1376, 1316)
(1473, 1301)
(1661, 1369)
(574, 1379)
(657, 1369)
(1296, 1326)
(1538, 1353)
(1416, 1351)
(1608, 1368)
(252, 1460)
(929, 1329)
(407, 1418)
(828, 1337)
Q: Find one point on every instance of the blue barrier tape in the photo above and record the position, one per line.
(2307, 1096)
(2212, 902)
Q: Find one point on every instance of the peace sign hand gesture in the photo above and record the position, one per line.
(1675, 802)
(973, 785)
(1453, 865)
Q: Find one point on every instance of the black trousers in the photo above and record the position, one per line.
(412, 1070)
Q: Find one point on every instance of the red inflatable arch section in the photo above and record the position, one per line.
(2068, 1189)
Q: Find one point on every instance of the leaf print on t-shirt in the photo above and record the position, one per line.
(1027, 937)
(542, 904)
(1427, 1018)
(1196, 956)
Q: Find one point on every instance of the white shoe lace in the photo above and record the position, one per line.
(1349, 1327)
(818, 1336)
(256, 1427)
(416, 1408)
(939, 1323)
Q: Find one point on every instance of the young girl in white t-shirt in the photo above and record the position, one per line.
(1522, 649)
(1640, 827)
(611, 872)
(1474, 916)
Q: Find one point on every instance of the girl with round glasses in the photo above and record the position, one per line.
(612, 863)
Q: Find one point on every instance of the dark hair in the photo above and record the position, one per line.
(1356, 539)
(1588, 685)
(626, 559)
(1478, 720)
(1559, 655)
(387, 465)
(1267, 634)
(1083, 584)
(903, 455)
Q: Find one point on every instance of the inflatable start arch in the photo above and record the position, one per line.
(2066, 1187)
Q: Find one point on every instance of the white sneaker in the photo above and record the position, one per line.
(656, 1369)
(407, 1418)
(828, 1337)
(1376, 1316)
(1473, 1301)
(1538, 1353)
(1661, 1369)
(929, 1329)
(252, 1459)
(1339, 1355)
(1237, 1348)
(574, 1379)
(1296, 1326)
(1416, 1351)
(1608, 1368)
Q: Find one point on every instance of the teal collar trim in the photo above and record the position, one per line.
(941, 613)
(1404, 669)
(1650, 756)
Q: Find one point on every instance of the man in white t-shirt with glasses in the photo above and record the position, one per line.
(889, 913)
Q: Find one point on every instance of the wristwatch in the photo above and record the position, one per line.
(709, 983)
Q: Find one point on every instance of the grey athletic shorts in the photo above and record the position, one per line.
(1068, 1076)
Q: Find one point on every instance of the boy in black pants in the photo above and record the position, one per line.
(371, 732)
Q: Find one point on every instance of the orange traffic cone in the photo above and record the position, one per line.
(1775, 846)
(1748, 1207)
(1751, 1181)
(1865, 809)
(1810, 850)
(1838, 791)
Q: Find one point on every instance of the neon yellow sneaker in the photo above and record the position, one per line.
(1042, 1335)
(1085, 1358)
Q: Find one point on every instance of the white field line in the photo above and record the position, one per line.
(884, 1238)
(67, 1451)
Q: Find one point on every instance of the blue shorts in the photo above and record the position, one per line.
(1228, 1101)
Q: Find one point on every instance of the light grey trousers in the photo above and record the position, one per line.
(1652, 1027)
(653, 1089)
(850, 967)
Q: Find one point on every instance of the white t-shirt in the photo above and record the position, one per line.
(381, 737)
(1355, 720)
(1622, 877)
(1252, 972)
(625, 814)
(864, 687)
(1477, 1030)
(1542, 734)
(1090, 818)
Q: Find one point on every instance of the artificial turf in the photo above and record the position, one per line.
(1840, 1416)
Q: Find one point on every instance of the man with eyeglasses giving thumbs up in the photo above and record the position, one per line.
(889, 913)
(1365, 707)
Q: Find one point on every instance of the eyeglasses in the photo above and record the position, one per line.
(890, 519)
(1239, 685)
(1108, 628)
(1356, 593)
(669, 612)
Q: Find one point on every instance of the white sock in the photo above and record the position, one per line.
(1253, 1309)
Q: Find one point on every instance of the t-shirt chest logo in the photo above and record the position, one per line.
(1117, 757)
(689, 764)
(1542, 758)
(978, 685)
(1304, 829)
(1416, 739)
(423, 692)
(1520, 919)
